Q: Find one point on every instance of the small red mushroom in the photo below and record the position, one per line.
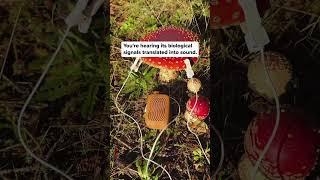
(198, 114)
(169, 65)
(226, 13)
(201, 109)
(293, 152)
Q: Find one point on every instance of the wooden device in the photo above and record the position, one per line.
(157, 111)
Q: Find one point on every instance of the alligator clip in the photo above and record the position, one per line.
(256, 36)
(82, 13)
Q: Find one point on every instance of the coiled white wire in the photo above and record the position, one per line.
(266, 148)
(140, 132)
(198, 140)
(27, 103)
(156, 140)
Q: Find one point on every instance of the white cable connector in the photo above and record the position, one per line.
(81, 15)
(93, 7)
(136, 64)
(188, 69)
(89, 12)
(256, 36)
(76, 16)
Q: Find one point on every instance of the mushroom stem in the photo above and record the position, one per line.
(166, 75)
(245, 166)
(190, 117)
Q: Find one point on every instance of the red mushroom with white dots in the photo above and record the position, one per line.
(201, 108)
(226, 13)
(200, 111)
(293, 152)
(169, 65)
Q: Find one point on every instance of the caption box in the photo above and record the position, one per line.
(159, 49)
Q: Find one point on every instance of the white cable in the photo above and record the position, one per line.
(28, 101)
(266, 148)
(156, 140)
(140, 132)
(195, 133)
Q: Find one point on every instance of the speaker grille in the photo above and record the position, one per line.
(157, 111)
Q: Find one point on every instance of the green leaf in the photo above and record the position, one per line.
(55, 89)
(78, 39)
(61, 81)
(138, 165)
(89, 101)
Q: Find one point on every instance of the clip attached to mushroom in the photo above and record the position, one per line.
(136, 64)
(225, 13)
(256, 36)
(188, 69)
(81, 15)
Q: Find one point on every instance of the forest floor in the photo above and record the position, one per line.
(65, 122)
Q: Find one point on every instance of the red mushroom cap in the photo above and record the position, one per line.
(225, 13)
(170, 34)
(202, 108)
(293, 151)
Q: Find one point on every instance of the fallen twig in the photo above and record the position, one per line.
(9, 45)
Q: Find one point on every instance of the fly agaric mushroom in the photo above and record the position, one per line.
(280, 72)
(293, 151)
(245, 168)
(169, 65)
(226, 13)
(200, 110)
